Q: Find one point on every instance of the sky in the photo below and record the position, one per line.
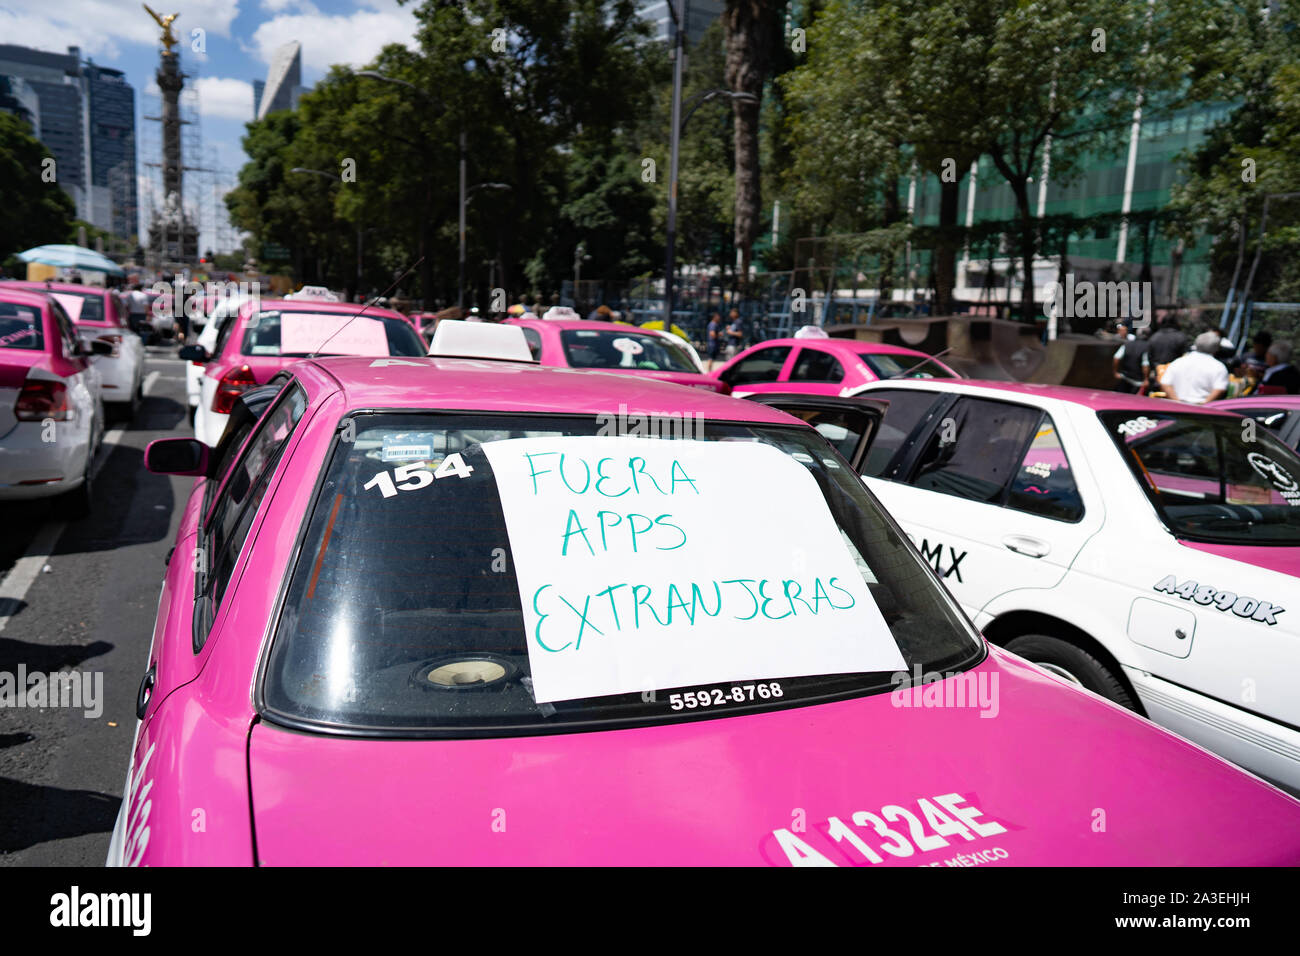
(238, 39)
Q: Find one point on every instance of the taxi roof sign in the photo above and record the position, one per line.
(811, 332)
(456, 338)
(317, 292)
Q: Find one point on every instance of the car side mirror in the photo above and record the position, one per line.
(101, 348)
(177, 456)
(193, 353)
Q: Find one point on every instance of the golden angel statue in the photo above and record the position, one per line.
(168, 38)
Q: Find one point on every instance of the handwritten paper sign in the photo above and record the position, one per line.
(307, 332)
(645, 564)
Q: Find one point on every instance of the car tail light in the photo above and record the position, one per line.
(231, 385)
(41, 399)
(115, 341)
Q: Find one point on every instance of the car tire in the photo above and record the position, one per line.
(78, 500)
(1072, 663)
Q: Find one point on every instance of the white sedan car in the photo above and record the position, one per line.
(223, 312)
(51, 416)
(1147, 550)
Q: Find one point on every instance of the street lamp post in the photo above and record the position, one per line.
(464, 193)
(465, 196)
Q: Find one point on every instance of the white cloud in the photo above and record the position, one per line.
(225, 97)
(280, 6)
(100, 27)
(353, 39)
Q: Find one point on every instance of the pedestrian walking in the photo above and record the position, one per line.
(735, 333)
(713, 339)
(1197, 377)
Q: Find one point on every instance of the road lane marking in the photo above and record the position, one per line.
(149, 380)
(20, 577)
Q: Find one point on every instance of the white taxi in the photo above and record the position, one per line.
(1144, 549)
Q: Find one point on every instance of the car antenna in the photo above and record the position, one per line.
(396, 283)
(914, 367)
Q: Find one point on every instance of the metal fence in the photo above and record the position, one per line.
(776, 304)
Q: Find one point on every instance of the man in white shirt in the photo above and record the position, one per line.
(1197, 377)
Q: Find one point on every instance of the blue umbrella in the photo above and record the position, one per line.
(72, 257)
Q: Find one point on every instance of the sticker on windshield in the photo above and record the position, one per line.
(1277, 476)
(1247, 607)
(1136, 426)
(634, 575)
(407, 446)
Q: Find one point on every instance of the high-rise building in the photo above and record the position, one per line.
(56, 80)
(85, 116)
(283, 80)
(700, 15)
(111, 146)
(259, 87)
(18, 97)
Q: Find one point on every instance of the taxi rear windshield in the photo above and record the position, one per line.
(1210, 477)
(403, 614)
(20, 328)
(82, 306)
(886, 365)
(265, 335)
(623, 348)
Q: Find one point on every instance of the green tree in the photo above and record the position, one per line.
(1249, 56)
(34, 211)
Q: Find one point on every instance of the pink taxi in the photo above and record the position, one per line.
(51, 416)
(268, 335)
(618, 348)
(823, 366)
(458, 611)
(1280, 414)
(100, 315)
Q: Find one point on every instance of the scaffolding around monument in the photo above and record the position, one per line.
(171, 235)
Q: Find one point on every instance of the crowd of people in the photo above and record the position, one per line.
(1202, 368)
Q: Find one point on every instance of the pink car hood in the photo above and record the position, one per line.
(1058, 775)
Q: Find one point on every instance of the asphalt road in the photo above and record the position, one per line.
(82, 595)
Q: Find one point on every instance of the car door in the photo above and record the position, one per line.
(200, 565)
(83, 383)
(815, 370)
(847, 423)
(758, 372)
(990, 491)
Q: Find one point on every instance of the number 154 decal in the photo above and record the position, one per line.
(1240, 605)
(417, 476)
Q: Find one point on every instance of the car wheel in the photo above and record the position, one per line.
(78, 500)
(1072, 663)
